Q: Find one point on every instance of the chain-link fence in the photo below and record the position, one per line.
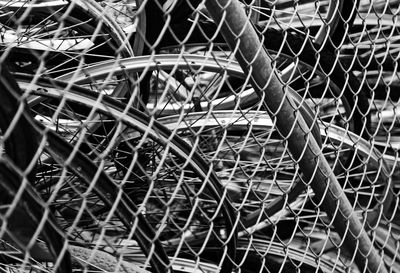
(199, 136)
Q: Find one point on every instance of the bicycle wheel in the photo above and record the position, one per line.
(252, 161)
(182, 83)
(335, 95)
(22, 210)
(49, 250)
(79, 194)
(26, 227)
(174, 188)
(89, 206)
(127, 14)
(14, 130)
(52, 37)
(185, 83)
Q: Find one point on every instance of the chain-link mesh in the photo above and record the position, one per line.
(199, 136)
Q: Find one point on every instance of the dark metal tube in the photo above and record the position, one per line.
(253, 58)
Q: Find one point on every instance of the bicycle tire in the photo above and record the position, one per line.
(211, 189)
(234, 97)
(14, 129)
(21, 232)
(19, 152)
(22, 218)
(61, 152)
(253, 128)
(337, 87)
(348, 87)
(167, 61)
(49, 37)
(106, 190)
(335, 92)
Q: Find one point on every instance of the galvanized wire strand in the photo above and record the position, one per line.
(234, 26)
(255, 169)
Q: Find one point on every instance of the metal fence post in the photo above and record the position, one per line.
(240, 34)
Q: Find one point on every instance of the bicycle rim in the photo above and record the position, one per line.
(175, 189)
(251, 160)
(59, 35)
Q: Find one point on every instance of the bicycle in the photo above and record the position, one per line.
(21, 220)
(183, 83)
(97, 137)
(169, 25)
(177, 85)
(128, 149)
(52, 37)
(187, 126)
(27, 216)
(254, 164)
(255, 60)
(80, 179)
